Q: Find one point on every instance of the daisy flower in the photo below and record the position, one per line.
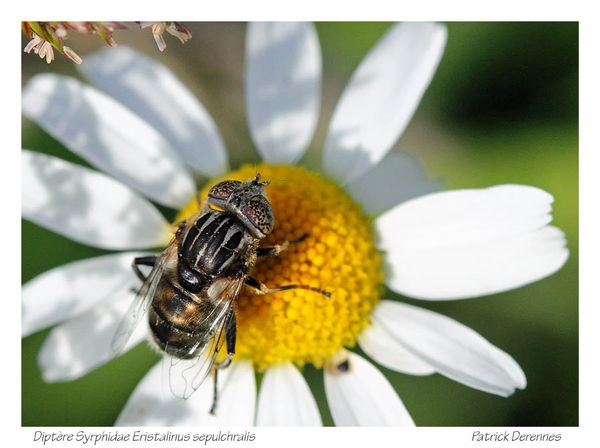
(373, 219)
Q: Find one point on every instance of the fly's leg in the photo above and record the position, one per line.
(230, 337)
(149, 260)
(278, 248)
(260, 288)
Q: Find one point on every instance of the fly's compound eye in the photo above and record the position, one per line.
(259, 213)
(223, 190)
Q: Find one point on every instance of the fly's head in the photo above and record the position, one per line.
(248, 201)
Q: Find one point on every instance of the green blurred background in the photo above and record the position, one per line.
(502, 108)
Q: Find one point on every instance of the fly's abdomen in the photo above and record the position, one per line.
(180, 325)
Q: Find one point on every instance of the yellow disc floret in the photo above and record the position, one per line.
(338, 256)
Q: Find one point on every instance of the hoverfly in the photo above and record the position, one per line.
(190, 294)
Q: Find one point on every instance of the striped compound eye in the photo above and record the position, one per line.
(223, 190)
(259, 213)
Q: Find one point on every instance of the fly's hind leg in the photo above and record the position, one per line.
(230, 337)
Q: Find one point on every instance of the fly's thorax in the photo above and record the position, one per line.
(216, 244)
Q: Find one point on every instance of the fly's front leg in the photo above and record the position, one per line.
(230, 338)
(260, 288)
(149, 260)
(278, 248)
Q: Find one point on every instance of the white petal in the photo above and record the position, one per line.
(83, 343)
(463, 216)
(283, 87)
(453, 349)
(109, 136)
(87, 206)
(362, 396)
(153, 404)
(468, 243)
(397, 178)
(381, 98)
(66, 291)
(285, 399)
(154, 93)
(380, 345)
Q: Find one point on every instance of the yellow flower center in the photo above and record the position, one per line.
(338, 256)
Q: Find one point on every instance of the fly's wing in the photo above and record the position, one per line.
(187, 375)
(143, 298)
